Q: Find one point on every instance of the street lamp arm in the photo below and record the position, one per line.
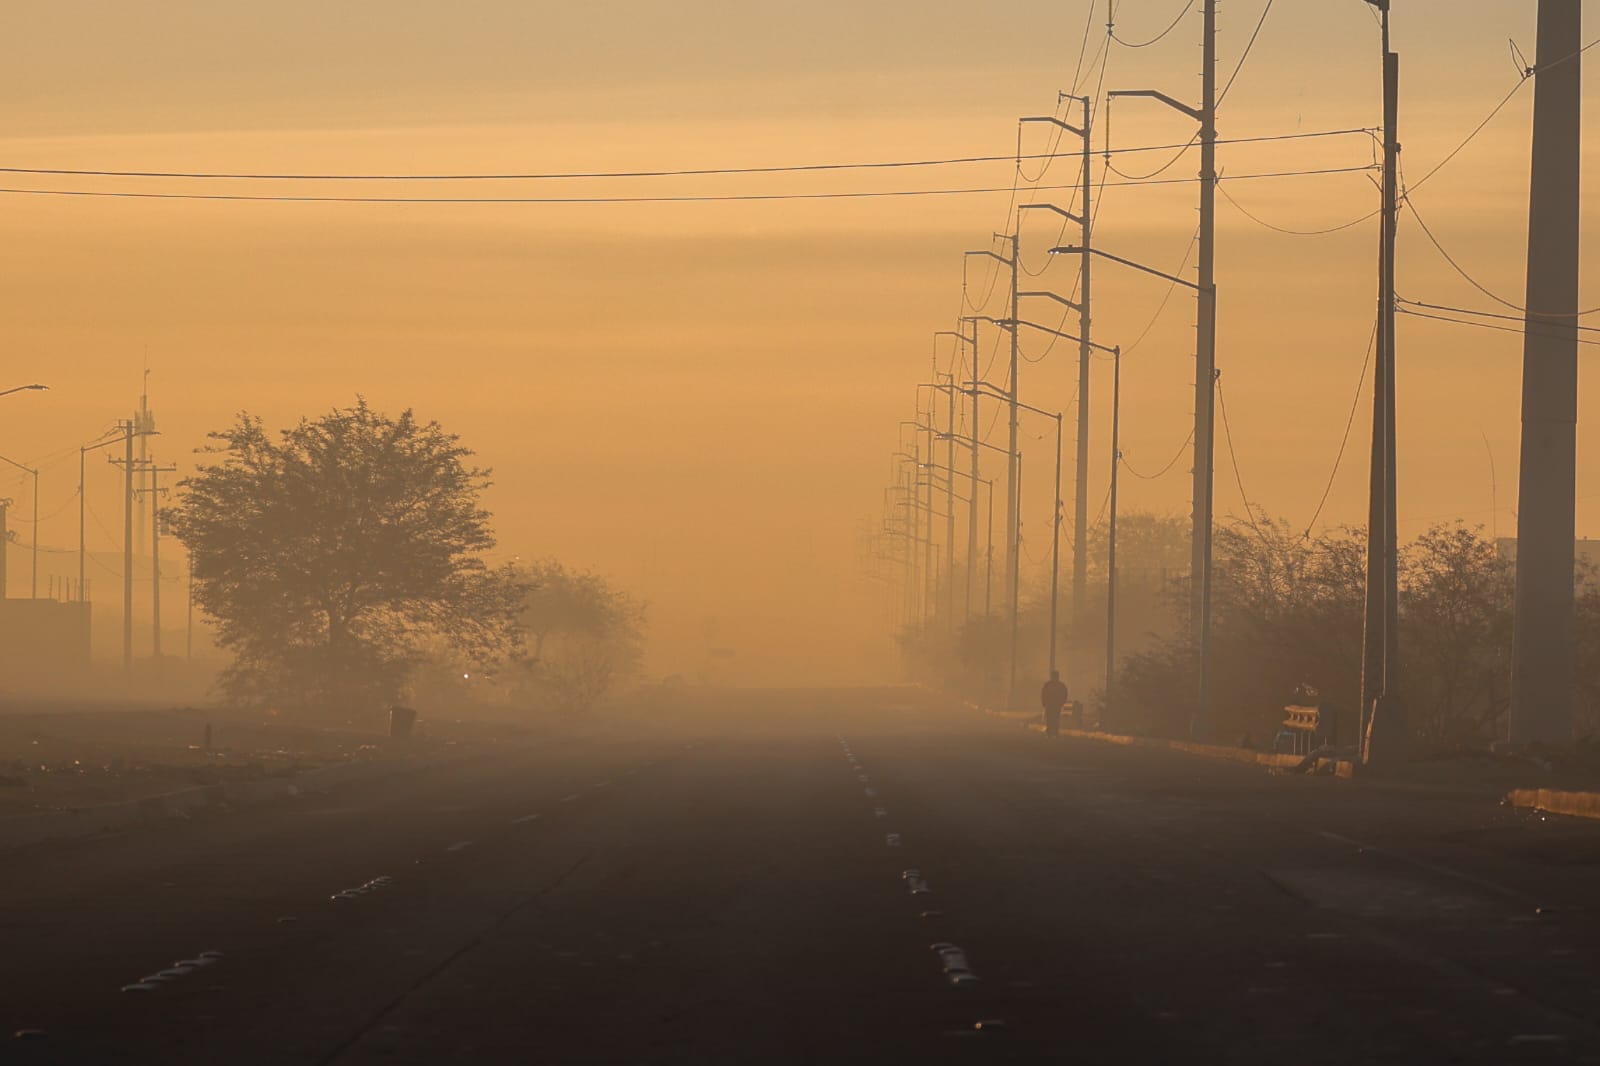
(24, 388)
(991, 255)
(1057, 297)
(1193, 112)
(969, 440)
(1063, 212)
(1067, 336)
(1052, 120)
(19, 466)
(1073, 249)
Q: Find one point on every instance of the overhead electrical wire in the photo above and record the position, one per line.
(682, 199)
(1165, 469)
(1187, 7)
(1258, 220)
(1344, 442)
(1404, 310)
(1474, 282)
(1248, 48)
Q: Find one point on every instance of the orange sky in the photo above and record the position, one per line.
(700, 399)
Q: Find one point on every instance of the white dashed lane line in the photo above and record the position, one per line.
(460, 845)
(525, 819)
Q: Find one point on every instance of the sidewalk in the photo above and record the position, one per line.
(1508, 783)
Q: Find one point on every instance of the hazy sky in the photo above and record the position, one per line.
(700, 400)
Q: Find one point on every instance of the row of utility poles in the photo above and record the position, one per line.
(1544, 634)
(903, 532)
(148, 472)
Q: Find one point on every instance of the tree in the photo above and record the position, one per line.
(333, 554)
(1456, 607)
(585, 635)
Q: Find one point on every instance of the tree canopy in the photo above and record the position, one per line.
(331, 554)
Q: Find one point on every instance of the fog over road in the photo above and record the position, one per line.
(732, 887)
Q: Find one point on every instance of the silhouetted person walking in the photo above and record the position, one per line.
(1054, 696)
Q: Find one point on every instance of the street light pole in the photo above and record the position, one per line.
(34, 582)
(1205, 362)
(1111, 537)
(1204, 695)
(1085, 220)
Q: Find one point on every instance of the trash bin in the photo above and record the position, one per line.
(401, 722)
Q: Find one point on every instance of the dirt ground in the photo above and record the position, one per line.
(66, 756)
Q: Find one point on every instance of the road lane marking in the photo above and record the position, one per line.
(525, 819)
(569, 799)
(460, 845)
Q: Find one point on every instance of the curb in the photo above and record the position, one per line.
(1553, 801)
(1341, 768)
(23, 829)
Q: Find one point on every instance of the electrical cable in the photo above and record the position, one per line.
(1296, 232)
(1172, 286)
(1249, 46)
(1480, 325)
(1227, 433)
(1187, 7)
(1459, 269)
(1482, 314)
(1355, 404)
(1164, 470)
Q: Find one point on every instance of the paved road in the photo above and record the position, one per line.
(713, 892)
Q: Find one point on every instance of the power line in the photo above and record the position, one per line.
(1296, 232)
(686, 199)
(1480, 325)
(1482, 314)
(1344, 442)
(1474, 282)
(795, 168)
(1233, 457)
(1164, 470)
(1187, 7)
(1172, 287)
(1249, 46)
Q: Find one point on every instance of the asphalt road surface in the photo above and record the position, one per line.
(827, 877)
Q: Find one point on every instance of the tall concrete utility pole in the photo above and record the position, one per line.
(949, 570)
(1205, 366)
(145, 426)
(1383, 724)
(1205, 372)
(127, 548)
(155, 490)
(1014, 489)
(972, 510)
(1542, 670)
(1080, 492)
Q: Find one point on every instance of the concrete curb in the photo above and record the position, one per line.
(23, 829)
(1341, 768)
(1554, 801)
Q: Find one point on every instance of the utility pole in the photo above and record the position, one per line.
(33, 578)
(1206, 370)
(127, 552)
(5, 543)
(948, 571)
(1543, 631)
(1383, 732)
(1013, 465)
(1014, 541)
(155, 490)
(1080, 503)
(972, 510)
(1108, 719)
